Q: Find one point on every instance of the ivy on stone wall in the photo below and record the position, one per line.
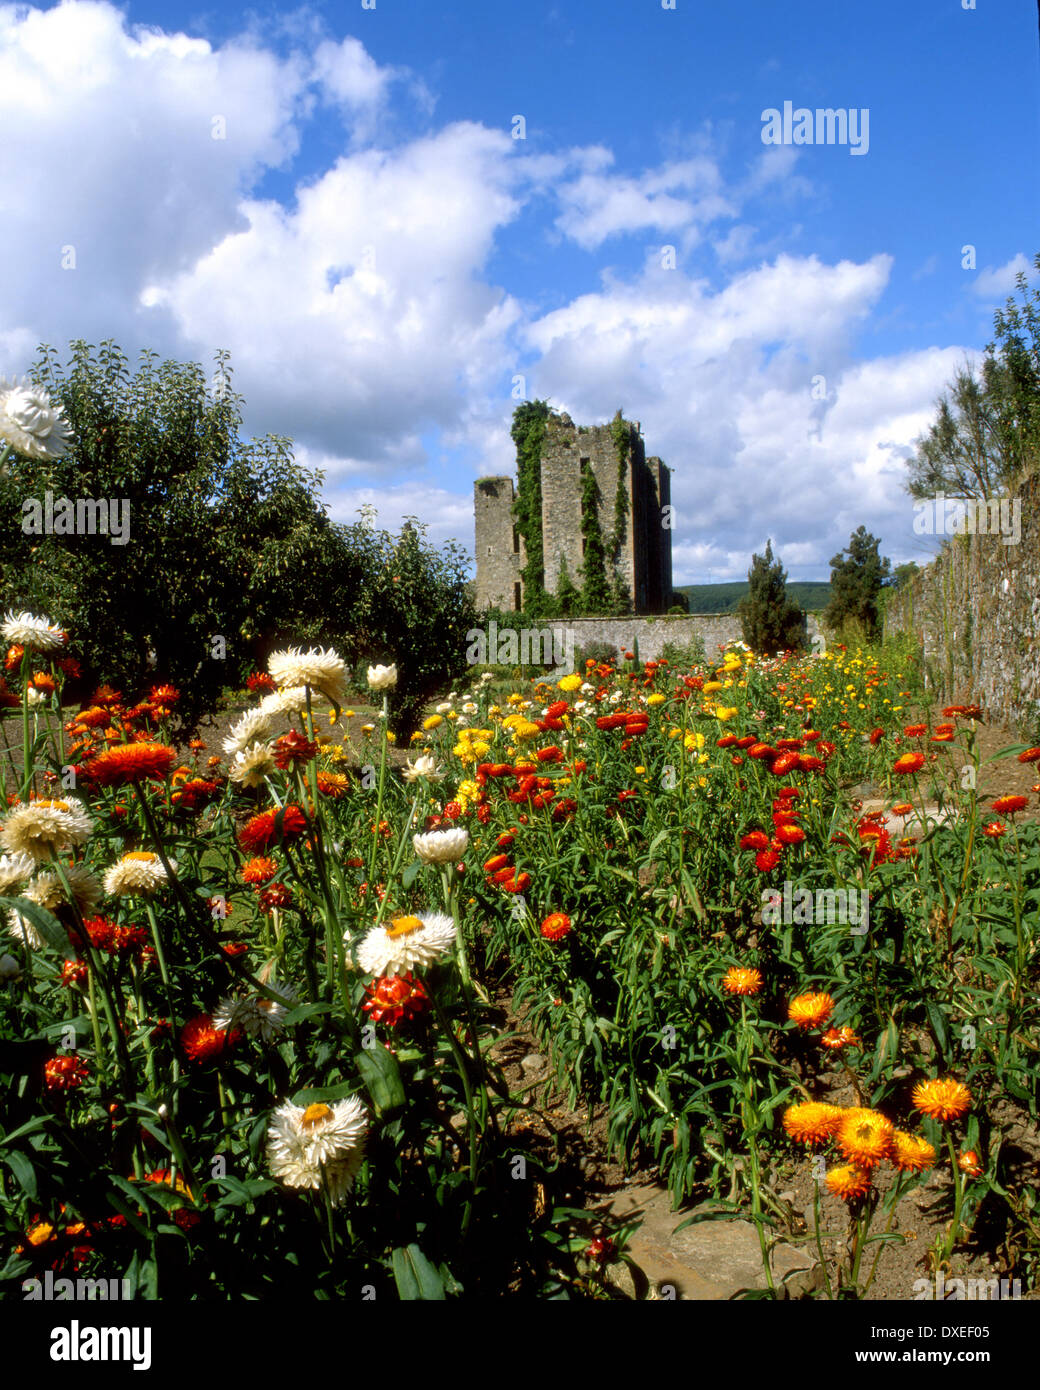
(621, 433)
(595, 591)
(528, 434)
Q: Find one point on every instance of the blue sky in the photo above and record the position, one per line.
(382, 258)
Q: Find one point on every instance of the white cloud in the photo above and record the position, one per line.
(597, 204)
(1000, 282)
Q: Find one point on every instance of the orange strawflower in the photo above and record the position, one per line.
(812, 1122)
(911, 1153)
(837, 1038)
(865, 1137)
(738, 980)
(259, 871)
(943, 1100)
(848, 1182)
(810, 1010)
(969, 1163)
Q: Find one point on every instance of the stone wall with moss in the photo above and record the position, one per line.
(975, 612)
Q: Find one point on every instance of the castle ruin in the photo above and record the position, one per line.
(599, 493)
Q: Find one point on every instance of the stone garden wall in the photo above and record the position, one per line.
(975, 611)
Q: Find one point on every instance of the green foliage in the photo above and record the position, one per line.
(595, 592)
(771, 621)
(227, 540)
(413, 609)
(987, 430)
(528, 433)
(568, 602)
(857, 576)
(811, 595)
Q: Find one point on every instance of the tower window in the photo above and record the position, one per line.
(516, 541)
(489, 550)
(517, 603)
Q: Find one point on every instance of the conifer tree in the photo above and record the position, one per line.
(771, 621)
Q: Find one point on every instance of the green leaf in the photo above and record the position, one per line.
(23, 1171)
(382, 1076)
(416, 1278)
(322, 1095)
(409, 875)
(45, 922)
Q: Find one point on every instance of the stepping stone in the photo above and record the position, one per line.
(709, 1261)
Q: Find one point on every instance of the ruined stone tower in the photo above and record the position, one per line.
(600, 493)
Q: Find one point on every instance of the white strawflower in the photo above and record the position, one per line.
(382, 677)
(469, 707)
(15, 869)
(42, 828)
(30, 424)
(27, 630)
(320, 1144)
(253, 764)
(139, 874)
(291, 700)
(405, 943)
(445, 707)
(255, 1014)
(441, 846)
(254, 726)
(426, 766)
(48, 891)
(320, 669)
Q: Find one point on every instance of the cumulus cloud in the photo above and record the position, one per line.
(369, 309)
(998, 283)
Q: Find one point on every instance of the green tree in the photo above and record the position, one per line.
(986, 433)
(858, 575)
(771, 621)
(230, 552)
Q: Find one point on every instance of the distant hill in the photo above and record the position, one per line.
(810, 594)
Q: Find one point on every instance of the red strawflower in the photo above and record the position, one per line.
(908, 762)
(994, 829)
(65, 1073)
(754, 839)
(274, 895)
(279, 823)
(202, 1042)
(395, 997)
(292, 749)
(1009, 805)
(766, 859)
(260, 680)
(130, 762)
(789, 834)
(555, 926)
(1031, 755)
(74, 972)
(165, 694)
